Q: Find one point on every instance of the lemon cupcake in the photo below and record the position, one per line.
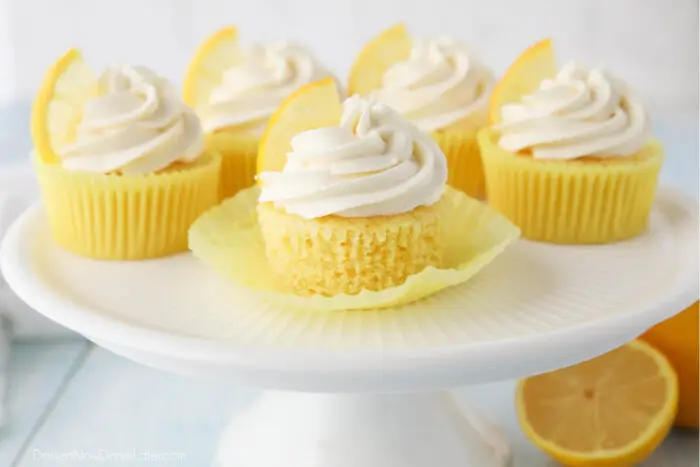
(356, 205)
(236, 89)
(120, 161)
(569, 158)
(437, 83)
(351, 212)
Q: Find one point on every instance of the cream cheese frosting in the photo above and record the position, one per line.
(136, 125)
(440, 84)
(375, 163)
(580, 112)
(252, 89)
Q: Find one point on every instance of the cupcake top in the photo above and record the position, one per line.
(374, 163)
(440, 84)
(136, 125)
(580, 112)
(252, 89)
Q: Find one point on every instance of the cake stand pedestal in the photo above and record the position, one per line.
(298, 429)
(367, 388)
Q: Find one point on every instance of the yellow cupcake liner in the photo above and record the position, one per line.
(239, 155)
(334, 255)
(464, 168)
(573, 201)
(116, 217)
(228, 239)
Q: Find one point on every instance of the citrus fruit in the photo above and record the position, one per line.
(58, 106)
(677, 339)
(313, 106)
(216, 54)
(524, 76)
(611, 411)
(380, 54)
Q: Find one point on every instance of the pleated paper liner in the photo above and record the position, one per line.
(459, 143)
(228, 239)
(239, 155)
(116, 217)
(465, 170)
(573, 201)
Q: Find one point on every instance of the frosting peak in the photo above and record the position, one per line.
(252, 89)
(135, 125)
(440, 84)
(580, 112)
(373, 164)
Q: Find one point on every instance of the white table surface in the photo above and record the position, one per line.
(71, 398)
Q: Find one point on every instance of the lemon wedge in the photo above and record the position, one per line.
(312, 106)
(216, 54)
(58, 106)
(375, 59)
(524, 76)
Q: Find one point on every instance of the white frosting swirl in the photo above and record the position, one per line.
(578, 113)
(252, 89)
(374, 164)
(441, 83)
(136, 125)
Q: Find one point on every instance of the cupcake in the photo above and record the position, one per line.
(356, 205)
(351, 212)
(569, 157)
(236, 89)
(440, 85)
(120, 161)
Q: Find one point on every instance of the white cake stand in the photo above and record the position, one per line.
(368, 388)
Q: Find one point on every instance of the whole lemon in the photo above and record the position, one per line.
(677, 339)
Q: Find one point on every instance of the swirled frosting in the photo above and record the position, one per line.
(440, 84)
(252, 89)
(374, 163)
(578, 113)
(137, 124)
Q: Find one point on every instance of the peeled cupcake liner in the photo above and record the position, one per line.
(228, 239)
(239, 155)
(572, 201)
(119, 217)
(464, 167)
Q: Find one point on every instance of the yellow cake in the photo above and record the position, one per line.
(333, 254)
(120, 161)
(569, 157)
(440, 85)
(235, 90)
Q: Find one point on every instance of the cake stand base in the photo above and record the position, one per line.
(326, 430)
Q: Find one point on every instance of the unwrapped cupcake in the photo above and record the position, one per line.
(351, 212)
(356, 206)
(437, 83)
(120, 161)
(570, 157)
(235, 90)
